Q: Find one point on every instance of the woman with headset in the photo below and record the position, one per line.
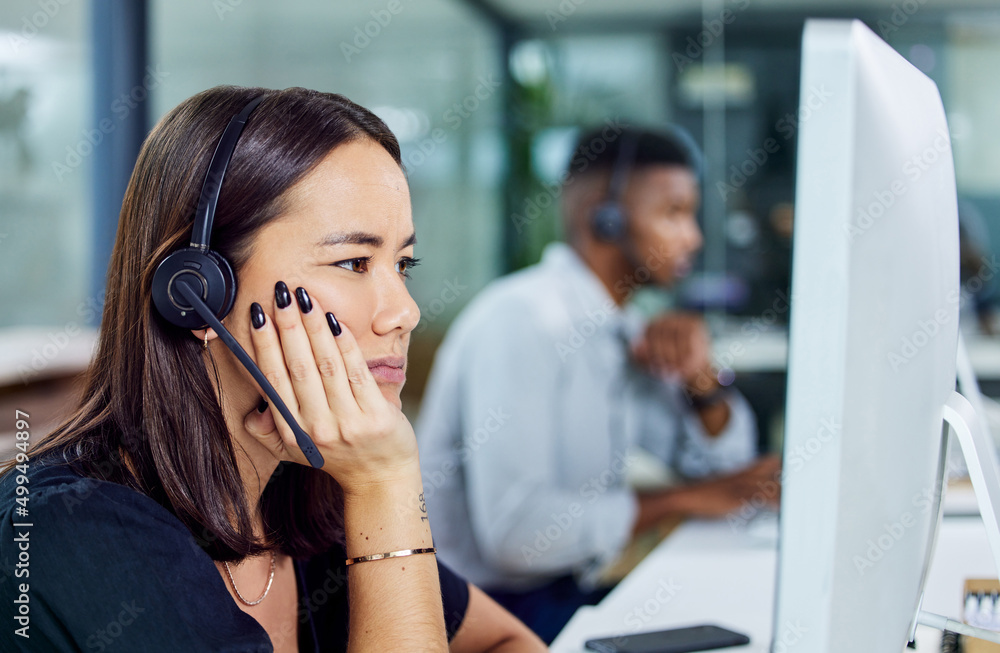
(239, 475)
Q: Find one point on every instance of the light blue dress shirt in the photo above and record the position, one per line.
(527, 423)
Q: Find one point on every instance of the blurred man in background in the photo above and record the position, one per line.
(547, 381)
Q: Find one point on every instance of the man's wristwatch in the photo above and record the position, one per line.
(700, 402)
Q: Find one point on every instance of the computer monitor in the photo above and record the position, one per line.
(872, 349)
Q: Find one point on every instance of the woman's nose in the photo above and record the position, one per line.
(395, 308)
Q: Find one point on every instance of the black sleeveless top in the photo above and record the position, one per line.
(96, 566)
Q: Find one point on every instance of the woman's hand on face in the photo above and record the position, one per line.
(326, 384)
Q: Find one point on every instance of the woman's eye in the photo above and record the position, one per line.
(354, 264)
(405, 264)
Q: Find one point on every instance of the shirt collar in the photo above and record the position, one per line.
(567, 263)
(590, 290)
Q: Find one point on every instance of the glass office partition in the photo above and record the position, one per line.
(46, 144)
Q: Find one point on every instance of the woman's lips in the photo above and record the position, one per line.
(389, 369)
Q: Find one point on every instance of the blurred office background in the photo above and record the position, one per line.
(485, 97)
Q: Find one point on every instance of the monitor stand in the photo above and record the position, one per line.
(965, 414)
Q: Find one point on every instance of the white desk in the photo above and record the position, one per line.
(706, 572)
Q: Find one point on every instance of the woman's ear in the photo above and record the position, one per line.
(205, 335)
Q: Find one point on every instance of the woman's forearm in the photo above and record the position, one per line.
(488, 628)
(395, 603)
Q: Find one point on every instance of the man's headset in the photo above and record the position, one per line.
(194, 287)
(609, 221)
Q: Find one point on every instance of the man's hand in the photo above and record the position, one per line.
(677, 345)
(713, 498)
(721, 496)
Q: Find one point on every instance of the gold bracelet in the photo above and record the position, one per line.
(390, 554)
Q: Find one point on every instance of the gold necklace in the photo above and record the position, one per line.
(266, 589)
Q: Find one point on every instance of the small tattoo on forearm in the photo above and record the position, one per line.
(423, 507)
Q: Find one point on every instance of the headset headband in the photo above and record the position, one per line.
(623, 164)
(204, 215)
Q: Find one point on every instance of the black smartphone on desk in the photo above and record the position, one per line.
(677, 640)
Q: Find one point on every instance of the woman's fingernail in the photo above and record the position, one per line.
(262, 406)
(257, 315)
(303, 297)
(334, 324)
(281, 295)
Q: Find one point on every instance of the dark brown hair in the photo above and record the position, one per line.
(148, 398)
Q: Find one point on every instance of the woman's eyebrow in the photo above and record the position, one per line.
(412, 240)
(361, 238)
(351, 238)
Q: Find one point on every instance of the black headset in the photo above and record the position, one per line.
(194, 287)
(609, 221)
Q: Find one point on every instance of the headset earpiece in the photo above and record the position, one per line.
(609, 221)
(207, 272)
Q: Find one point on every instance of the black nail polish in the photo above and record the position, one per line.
(281, 295)
(257, 315)
(334, 324)
(303, 297)
(262, 406)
